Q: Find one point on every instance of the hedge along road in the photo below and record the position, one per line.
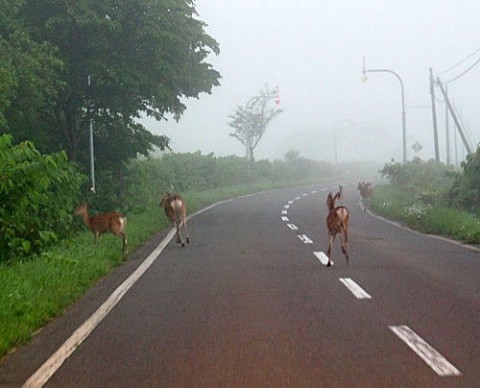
(249, 303)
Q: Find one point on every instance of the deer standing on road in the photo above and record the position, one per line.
(176, 211)
(366, 191)
(99, 224)
(337, 223)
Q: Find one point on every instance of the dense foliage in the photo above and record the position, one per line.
(142, 58)
(437, 184)
(432, 198)
(465, 192)
(427, 182)
(37, 195)
(29, 76)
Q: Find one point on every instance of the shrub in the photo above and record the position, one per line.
(37, 195)
(425, 182)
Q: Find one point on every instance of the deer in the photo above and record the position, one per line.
(99, 224)
(337, 223)
(176, 211)
(366, 191)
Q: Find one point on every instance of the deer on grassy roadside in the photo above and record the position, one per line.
(99, 224)
(176, 211)
(337, 223)
(366, 191)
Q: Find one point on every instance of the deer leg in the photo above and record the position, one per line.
(186, 231)
(177, 228)
(124, 241)
(179, 234)
(344, 238)
(329, 250)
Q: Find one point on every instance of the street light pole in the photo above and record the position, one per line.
(404, 126)
(92, 156)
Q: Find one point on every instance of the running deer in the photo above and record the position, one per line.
(99, 224)
(337, 223)
(176, 211)
(366, 191)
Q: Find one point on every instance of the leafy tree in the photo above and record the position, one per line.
(251, 121)
(28, 75)
(142, 57)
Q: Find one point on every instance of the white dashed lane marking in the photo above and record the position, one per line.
(355, 289)
(322, 257)
(305, 239)
(428, 354)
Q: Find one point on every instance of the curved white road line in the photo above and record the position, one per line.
(56, 360)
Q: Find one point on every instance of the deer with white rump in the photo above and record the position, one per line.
(99, 224)
(176, 211)
(337, 223)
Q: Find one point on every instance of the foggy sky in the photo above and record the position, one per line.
(313, 51)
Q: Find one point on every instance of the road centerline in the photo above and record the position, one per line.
(355, 289)
(428, 354)
(322, 257)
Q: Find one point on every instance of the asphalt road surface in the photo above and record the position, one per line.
(250, 303)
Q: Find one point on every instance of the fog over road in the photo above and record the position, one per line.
(249, 303)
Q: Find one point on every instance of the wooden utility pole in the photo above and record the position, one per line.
(455, 119)
(434, 117)
(447, 130)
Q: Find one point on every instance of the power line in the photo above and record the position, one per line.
(459, 63)
(465, 72)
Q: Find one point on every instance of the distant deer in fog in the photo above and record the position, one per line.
(366, 191)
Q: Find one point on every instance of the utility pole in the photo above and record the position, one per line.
(92, 157)
(447, 130)
(434, 116)
(455, 119)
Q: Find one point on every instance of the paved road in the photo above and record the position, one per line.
(249, 304)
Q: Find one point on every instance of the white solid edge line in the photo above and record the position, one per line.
(428, 354)
(355, 289)
(50, 367)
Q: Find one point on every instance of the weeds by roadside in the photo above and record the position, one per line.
(402, 207)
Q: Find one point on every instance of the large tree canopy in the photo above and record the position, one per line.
(28, 74)
(142, 57)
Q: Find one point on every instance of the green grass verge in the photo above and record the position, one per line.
(33, 292)
(453, 223)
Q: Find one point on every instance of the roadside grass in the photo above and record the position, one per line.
(32, 292)
(448, 222)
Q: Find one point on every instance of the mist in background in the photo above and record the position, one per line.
(313, 51)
